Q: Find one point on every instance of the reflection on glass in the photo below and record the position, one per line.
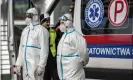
(105, 26)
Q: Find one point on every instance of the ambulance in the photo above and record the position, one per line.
(107, 26)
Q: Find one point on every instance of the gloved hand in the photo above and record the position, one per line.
(17, 70)
(84, 62)
(39, 71)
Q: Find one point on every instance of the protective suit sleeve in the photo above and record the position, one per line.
(44, 44)
(83, 51)
(19, 61)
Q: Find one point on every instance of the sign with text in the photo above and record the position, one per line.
(118, 12)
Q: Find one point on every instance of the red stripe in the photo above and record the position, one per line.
(110, 39)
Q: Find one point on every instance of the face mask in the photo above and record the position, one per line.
(35, 18)
(28, 21)
(62, 28)
(68, 24)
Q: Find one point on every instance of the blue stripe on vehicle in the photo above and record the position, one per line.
(111, 50)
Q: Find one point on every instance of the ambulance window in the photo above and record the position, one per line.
(20, 7)
(93, 22)
(62, 7)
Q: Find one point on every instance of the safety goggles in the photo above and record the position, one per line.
(64, 18)
(29, 15)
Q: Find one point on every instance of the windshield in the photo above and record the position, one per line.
(106, 17)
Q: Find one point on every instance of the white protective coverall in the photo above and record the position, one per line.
(72, 53)
(33, 50)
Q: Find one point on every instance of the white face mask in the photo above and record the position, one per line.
(35, 18)
(62, 28)
(28, 20)
(68, 23)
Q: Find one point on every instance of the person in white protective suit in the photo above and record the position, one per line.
(72, 53)
(33, 49)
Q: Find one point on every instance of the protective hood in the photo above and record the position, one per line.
(34, 12)
(67, 22)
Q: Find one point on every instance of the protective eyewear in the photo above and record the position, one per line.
(64, 18)
(29, 15)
